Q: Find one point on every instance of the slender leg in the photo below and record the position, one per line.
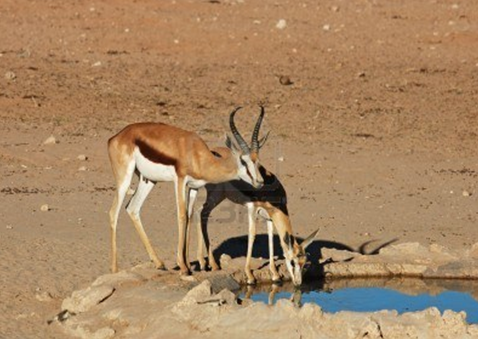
(250, 243)
(214, 198)
(272, 266)
(200, 239)
(134, 207)
(182, 224)
(191, 199)
(123, 180)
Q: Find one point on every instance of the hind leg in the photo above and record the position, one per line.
(134, 208)
(123, 174)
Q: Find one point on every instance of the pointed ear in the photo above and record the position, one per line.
(231, 145)
(309, 239)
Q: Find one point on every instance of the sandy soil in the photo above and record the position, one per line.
(374, 135)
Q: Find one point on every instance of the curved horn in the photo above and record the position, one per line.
(255, 144)
(240, 140)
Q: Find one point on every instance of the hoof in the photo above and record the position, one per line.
(251, 282)
(185, 272)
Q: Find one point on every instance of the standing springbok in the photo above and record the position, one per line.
(160, 152)
(270, 203)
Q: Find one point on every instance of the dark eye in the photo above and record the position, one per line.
(243, 163)
(292, 263)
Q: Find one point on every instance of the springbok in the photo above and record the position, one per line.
(269, 203)
(160, 152)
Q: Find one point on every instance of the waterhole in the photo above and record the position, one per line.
(370, 295)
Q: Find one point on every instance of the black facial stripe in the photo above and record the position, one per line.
(249, 173)
(243, 163)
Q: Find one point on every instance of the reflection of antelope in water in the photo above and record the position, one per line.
(268, 202)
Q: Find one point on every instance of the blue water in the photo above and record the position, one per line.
(371, 299)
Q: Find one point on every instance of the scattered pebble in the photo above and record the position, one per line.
(188, 278)
(82, 169)
(285, 80)
(326, 27)
(281, 24)
(43, 296)
(466, 193)
(82, 157)
(45, 208)
(10, 75)
(280, 158)
(96, 64)
(9, 227)
(50, 140)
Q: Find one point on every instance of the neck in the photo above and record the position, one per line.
(219, 168)
(282, 225)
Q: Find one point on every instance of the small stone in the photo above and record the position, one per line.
(10, 75)
(82, 169)
(466, 193)
(96, 64)
(51, 140)
(281, 24)
(281, 159)
(201, 292)
(285, 80)
(189, 278)
(9, 227)
(43, 296)
(326, 27)
(82, 157)
(45, 208)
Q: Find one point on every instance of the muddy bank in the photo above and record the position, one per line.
(145, 303)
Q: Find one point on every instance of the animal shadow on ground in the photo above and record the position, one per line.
(237, 247)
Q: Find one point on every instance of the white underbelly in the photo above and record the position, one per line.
(154, 171)
(195, 183)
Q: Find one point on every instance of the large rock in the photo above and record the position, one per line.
(83, 300)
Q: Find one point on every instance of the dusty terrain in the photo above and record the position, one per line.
(372, 107)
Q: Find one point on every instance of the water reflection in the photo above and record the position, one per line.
(368, 295)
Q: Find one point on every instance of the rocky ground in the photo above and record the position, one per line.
(144, 303)
(372, 107)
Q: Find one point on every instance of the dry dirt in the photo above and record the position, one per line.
(372, 107)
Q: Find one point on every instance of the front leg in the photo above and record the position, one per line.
(192, 194)
(250, 243)
(182, 225)
(214, 197)
(275, 275)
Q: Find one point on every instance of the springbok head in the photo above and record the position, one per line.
(247, 156)
(295, 255)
